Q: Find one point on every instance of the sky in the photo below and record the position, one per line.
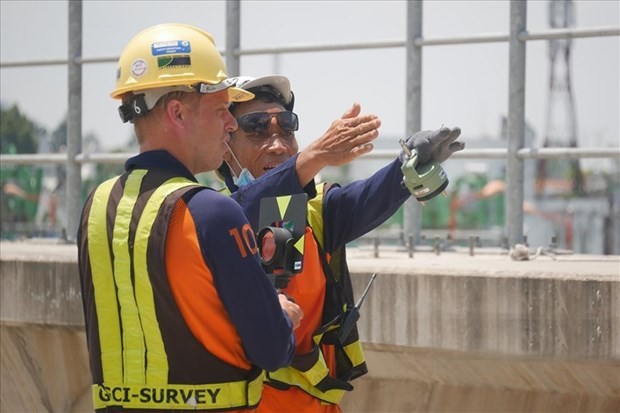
(462, 85)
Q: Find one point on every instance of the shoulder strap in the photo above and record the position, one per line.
(315, 211)
(335, 269)
(315, 220)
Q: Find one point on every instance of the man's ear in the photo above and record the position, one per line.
(175, 110)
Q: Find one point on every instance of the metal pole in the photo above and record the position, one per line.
(74, 120)
(412, 212)
(233, 37)
(516, 122)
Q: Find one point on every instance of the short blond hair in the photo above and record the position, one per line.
(187, 98)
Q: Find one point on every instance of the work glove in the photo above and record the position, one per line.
(436, 145)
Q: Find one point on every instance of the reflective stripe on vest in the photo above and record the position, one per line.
(317, 374)
(179, 396)
(133, 357)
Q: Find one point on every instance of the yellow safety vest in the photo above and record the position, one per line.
(309, 372)
(126, 220)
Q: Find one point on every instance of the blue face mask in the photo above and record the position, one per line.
(244, 177)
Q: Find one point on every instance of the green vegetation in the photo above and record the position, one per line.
(20, 184)
(33, 195)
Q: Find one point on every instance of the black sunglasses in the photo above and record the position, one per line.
(258, 122)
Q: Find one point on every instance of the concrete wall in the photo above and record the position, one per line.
(441, 334)
(505, 315)
(406, 379)
(43, 369)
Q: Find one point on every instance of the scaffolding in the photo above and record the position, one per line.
(515, 153)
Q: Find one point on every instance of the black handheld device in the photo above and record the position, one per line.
(353, 314)
(282, 223)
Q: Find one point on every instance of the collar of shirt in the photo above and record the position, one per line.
(158, 159)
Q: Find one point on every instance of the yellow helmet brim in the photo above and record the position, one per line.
(236, 94)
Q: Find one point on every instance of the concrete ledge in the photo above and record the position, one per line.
(39, 292)
(564, 308)
(405, 379)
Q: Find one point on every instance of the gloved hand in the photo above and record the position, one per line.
(436, 145)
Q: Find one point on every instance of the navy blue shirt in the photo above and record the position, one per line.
(361, 206)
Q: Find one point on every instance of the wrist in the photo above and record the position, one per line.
(308, 164)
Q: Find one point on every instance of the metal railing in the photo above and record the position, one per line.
(118, 158)
(515, 153)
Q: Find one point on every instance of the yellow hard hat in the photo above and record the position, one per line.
(171, 57)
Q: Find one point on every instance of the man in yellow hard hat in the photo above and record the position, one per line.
(179, 313)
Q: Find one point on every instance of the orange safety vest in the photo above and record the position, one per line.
(323, 366)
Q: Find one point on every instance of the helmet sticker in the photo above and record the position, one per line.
(138, 67)
(171, 47)
(168, 62)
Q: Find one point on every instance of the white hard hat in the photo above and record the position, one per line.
(280, 83)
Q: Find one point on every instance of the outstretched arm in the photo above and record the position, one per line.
(357, 208)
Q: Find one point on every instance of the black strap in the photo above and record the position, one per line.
(329, 275)
(133, 109)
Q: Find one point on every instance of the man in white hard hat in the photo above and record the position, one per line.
(328, 355)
